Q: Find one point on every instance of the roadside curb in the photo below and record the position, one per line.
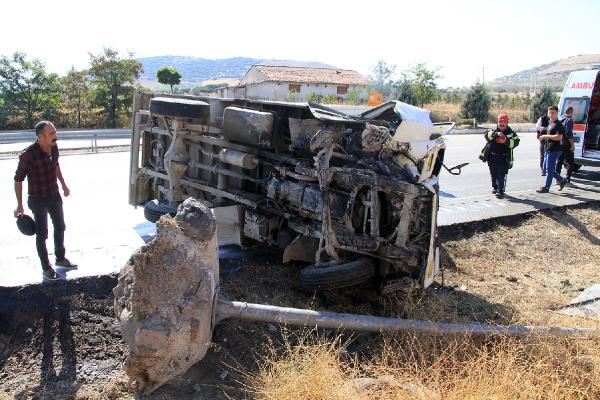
(482, 225)
(481, 131)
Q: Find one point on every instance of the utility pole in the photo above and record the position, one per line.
(530, 82)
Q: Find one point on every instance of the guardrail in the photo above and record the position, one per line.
(92, 135)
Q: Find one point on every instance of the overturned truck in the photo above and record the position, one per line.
(354, 196)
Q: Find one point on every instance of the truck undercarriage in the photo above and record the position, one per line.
(354, 196)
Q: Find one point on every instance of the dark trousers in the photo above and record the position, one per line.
(498, 165)
(41, 207)
(542, 152)
(567, 157)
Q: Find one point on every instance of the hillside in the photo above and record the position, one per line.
(552, 75)
(195, 70)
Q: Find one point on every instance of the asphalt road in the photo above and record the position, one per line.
(468, 197)
(103, 230)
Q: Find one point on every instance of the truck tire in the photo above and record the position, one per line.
(337, 276)
(182, 108)
(153, 210)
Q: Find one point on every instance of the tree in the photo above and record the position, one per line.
(381, 77)
(114, 78)
(75, 90)
(405, 91)
(28, 92)
(353, 97)
(477, 103)
(540, 103)
(168, 76)
(423, 82)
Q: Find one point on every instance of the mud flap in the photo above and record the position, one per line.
(302, 248)
(229, 221)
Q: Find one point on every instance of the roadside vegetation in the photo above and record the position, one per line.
(102, 95)
(467, 106)
(429, 367)
(503, 273)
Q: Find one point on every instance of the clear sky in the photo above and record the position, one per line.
(462, 37)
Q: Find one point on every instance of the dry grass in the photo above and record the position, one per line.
(503, 273)
(447, 111)
(425, 367)
(529, 266)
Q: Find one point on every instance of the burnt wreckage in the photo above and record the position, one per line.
(355, 196)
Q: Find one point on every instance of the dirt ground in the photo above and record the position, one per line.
(61, 341)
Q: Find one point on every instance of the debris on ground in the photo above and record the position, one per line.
(61, 341)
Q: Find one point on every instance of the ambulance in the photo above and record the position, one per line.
(582, 92)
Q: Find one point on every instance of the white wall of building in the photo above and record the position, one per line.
(281, 91)
(253, 75)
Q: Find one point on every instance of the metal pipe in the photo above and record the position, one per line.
(233, 157)
(222, 171)
(304, 178)
(238, 158)
(240, 196)
(332, 320)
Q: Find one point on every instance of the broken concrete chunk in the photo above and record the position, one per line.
(164, 297)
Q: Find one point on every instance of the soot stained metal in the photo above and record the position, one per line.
(354, 196)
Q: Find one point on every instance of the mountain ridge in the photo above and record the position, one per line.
(552, 75)
(196, 70)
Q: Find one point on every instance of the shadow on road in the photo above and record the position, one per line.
(537, 204)
(447, 194)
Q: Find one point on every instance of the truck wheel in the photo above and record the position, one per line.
(182, 108)
(337, 276)
(153, 210)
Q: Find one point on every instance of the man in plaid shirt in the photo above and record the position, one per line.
(39, 164)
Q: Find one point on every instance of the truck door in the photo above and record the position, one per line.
(580, 111)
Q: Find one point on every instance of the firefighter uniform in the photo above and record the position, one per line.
(499, 154)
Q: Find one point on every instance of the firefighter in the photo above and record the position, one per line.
(499, 153)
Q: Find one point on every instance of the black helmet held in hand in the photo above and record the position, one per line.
(26, 225)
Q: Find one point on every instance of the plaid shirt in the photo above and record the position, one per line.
(40, 170)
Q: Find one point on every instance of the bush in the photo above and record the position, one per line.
(312, 97)
(477, 103)
(406, 93)
(291, 96)
(330, 99)
(353, 97)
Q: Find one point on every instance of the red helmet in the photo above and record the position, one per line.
(503, 118)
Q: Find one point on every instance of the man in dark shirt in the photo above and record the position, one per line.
(568, 145)
(553, 138)
(39, 164)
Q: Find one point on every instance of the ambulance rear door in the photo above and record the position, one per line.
(577, 94)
